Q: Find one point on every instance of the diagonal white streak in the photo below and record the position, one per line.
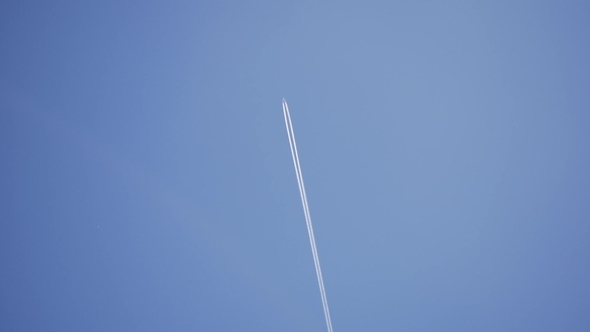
(295, 155)
(314, 250)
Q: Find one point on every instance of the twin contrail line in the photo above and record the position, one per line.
(299, 175)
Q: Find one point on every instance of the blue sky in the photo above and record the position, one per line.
(146, 182)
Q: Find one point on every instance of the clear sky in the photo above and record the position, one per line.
(146, 182)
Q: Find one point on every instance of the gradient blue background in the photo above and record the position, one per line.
(146, 182)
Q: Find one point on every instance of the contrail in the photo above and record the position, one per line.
(314, 250)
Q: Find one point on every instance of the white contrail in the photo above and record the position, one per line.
(295, 155)
(314, 250)
(302, 192)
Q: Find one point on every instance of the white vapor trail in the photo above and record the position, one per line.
(299, 175)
